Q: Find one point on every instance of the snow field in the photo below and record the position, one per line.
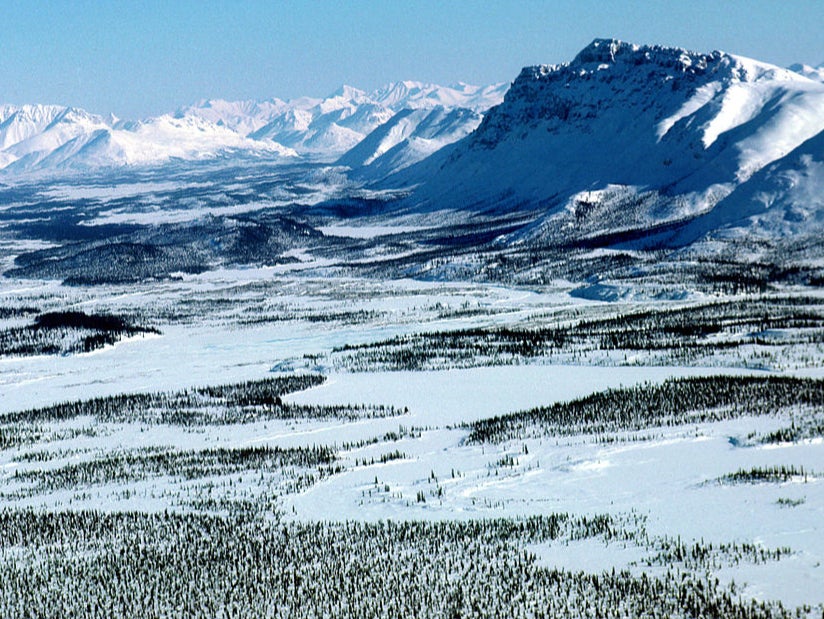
(417, 465)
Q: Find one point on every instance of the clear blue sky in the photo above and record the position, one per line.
(147, 57)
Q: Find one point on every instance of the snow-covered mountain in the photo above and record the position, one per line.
(159, 140)
(341, 121)
(427, 118)
(46, 138)
(53, 138)
(631, 137)
(814, 73)
(21, 123)
(416, 95)
(243, 117)
(31, 132)
(326, 127)
(409, 136)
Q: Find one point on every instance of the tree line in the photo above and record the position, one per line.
(673, 402)
(244, 402)
(682, 333)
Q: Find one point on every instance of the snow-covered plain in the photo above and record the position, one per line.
(236, 325)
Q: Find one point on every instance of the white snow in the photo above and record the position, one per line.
(367, 232)
(703, 95)
(77, 140)
(408, 137)
(52, 138)
(690, 129)
(732, 138)
(663, 474)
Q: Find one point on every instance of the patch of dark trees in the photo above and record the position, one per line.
(245, 402)
(671, 403)
(801, 428)
(67, 332)
(770, 474)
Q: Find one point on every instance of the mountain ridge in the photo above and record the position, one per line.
(36, 138)
(661, 145)
(673, 132)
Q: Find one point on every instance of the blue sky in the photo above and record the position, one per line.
(144, 58)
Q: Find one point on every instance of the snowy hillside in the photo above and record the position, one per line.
(325, 127)
(408, 137)
(30, 133)
(341, 121)
(21, 123)
(785, 198)
(624, 137)
(427, 118)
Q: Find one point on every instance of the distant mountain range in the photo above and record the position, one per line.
(626, 145)
(37, 138)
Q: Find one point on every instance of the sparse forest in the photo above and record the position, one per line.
(245, 402)
(298, 407)
(681, 335)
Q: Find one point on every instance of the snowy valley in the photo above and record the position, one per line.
(553, 348)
